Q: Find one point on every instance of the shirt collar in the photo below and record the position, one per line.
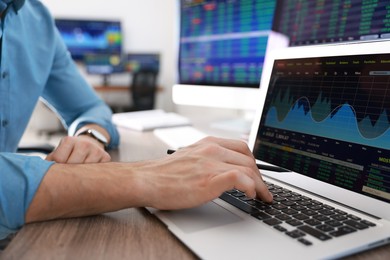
(4, 4)
(16, 4)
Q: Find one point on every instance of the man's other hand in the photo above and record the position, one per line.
(79, 149)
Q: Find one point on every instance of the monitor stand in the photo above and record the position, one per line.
(106, 78)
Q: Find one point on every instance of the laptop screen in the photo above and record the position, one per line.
(328, 118)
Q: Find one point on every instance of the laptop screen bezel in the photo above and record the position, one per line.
(343, 196)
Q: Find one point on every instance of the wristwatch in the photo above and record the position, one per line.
(96, 135)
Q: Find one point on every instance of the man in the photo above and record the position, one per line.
(77, 179)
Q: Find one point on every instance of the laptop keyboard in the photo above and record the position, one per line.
(302, 215)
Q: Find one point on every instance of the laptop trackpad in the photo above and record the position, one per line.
(201, 218)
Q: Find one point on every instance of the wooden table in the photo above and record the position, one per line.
(126, 234)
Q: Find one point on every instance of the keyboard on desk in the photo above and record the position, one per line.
(297, 215)
(178, 137)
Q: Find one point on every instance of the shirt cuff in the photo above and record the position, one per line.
(21, 176)
(110, 128)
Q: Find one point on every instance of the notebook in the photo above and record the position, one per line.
(323, 120)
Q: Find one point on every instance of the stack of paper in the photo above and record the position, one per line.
(149, 120)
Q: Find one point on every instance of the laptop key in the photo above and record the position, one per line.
(295, 233)
(288, 203)
(301, 216)
(326, 212)
(251, 202)
(245, 198)
(315, 233)
(272, 221)
(277, 191)
(290, 211)
(280, 228)
(294, 222)
(368, 223)
(304, 203)
(309, 212)
(305, 242)
(339, 211)
(325, 228)
(317, 202)
(295, 198)
(342, 231)
(321, 218)
(237, 194)
(315, 207)
(339, 217)
(279, 199)
(296, 194)
(312, 222)
(333, 223)
(355, 224)
(283, 217)
(298, 207)
(261, 215)
(279, 206)
(353, 217)
(273, 211)
(328, 207)
(262, 206)
(285, 194)
(237, 203)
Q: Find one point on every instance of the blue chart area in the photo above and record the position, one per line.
(340, 124)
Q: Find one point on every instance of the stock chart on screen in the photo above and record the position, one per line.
(224, 42)
(329, 118)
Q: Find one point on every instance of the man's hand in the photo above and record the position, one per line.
(200, 173)
(79, 149)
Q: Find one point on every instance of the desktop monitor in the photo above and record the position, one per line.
(135, 62)
(323, 22)
(108, 64)
(84, 37)
(104, 65)
(222, 50)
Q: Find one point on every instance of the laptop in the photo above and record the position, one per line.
(322, 132)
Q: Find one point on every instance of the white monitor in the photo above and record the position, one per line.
(226, 95)
(222, 51)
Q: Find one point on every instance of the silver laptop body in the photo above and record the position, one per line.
(324, 116)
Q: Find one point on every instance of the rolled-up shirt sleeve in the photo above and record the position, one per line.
(68, 93)
(21, 176)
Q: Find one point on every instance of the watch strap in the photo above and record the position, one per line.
(91, 133)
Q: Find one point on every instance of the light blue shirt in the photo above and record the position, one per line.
(35, 63)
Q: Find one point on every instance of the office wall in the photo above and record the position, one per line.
(148, 26)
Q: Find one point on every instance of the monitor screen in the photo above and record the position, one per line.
(90, 36)
(318, 21)
(103, 64)
(135, 62)
(106, 64)
(223, 43)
